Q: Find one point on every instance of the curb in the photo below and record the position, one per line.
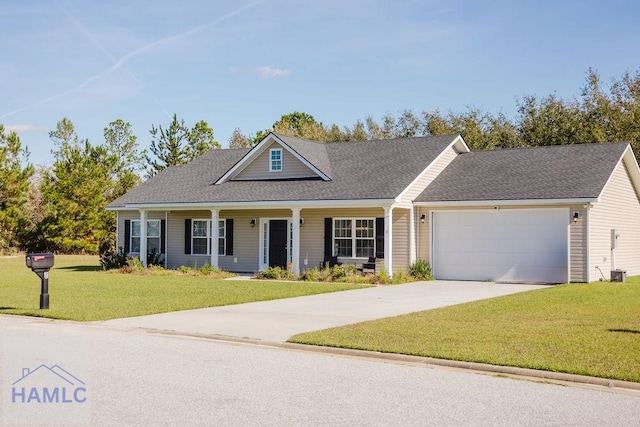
(525, 373)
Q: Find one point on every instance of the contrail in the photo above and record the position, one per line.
(137, 52)
(167, 40)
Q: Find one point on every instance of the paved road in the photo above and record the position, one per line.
(278, 320)
(133, 377)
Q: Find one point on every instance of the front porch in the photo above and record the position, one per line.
(251, 240)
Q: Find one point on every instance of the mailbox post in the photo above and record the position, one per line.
(41, 264)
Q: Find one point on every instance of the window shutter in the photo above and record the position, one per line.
(229, 237)
(379, 237)
(127, 235)
(163, 236)
(328, 237)
(187, 236)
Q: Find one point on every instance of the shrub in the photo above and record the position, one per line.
(313, 275)
(155, 258)
(134, 265)
(184, 269)
(110, 259)
(277, 273)
(420, 270)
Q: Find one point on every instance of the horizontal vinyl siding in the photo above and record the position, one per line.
(245, 241)
(430, 174)
(258, 169)
(618, 209)
(132, 215)
(312, 233)
(578, 245)
(400, 239)
(423, 235)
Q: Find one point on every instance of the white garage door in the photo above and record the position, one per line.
(503, 245)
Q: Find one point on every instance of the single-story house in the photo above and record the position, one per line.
(546, 214)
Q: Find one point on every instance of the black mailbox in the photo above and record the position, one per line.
(41, 264)
(40, 261)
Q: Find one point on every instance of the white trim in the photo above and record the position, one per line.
(259, 149)
(412, 236)
(264, 245)
(143, 238)
(295, 239)
(457, 144)
(282, 204)
(271, 159)
(629, 160)
(588, 254)
(353, 237)
(492, 203)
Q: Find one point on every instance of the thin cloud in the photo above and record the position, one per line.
(24, 128)
(267, 72)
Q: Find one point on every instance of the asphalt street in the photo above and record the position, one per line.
(136, 377)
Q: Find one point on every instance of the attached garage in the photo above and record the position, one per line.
(503, 245)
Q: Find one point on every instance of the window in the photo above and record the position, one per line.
(275, 160)
(221, 237)
(201, 234)
(354, 238)
(153, 236)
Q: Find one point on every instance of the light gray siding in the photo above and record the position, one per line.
(578, 244)
(245, 241)
(401, 241)
(132, 215)
(429, 175)
(423, 234)
(312, 233)
(618, 208)
(258, 169)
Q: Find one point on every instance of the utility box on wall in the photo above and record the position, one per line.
(618, 276)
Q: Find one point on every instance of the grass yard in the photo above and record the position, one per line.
(589, 329)
(80, 290)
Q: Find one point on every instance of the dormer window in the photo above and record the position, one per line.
(275, 160)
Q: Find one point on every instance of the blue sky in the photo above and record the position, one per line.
(246, 63)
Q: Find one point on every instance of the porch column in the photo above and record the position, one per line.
(214, 238)
(388, 239)
(412, 236)
(295, 237)
(143, 238)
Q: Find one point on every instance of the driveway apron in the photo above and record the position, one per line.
(278, 320)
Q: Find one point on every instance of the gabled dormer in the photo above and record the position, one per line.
(279, 157)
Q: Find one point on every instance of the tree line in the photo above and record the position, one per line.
(61, 207)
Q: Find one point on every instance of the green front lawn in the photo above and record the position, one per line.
(79, 290)
(589, 329)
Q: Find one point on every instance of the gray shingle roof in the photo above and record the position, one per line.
(314, 152)
(378, 169)
(555, 172)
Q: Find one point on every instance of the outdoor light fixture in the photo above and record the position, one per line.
(301, 221)
(252, 223)
(576, 215)
(423, 217)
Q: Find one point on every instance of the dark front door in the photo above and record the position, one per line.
(278, 243)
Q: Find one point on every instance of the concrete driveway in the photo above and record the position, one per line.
(278, 320)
